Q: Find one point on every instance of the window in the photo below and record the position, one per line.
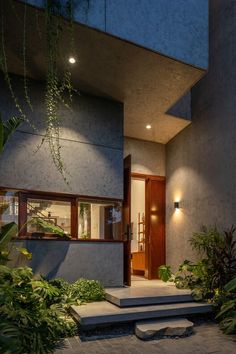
(52, 215)
(8, 207)
(44, 216)
(99, 220)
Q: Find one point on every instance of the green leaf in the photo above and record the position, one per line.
(228, 324)
(164, 272)
(8, 231)
(10, 127)
(24, 252)
(229, 305)
(231, 285)
(48, 227)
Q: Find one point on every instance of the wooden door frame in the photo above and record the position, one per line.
(147, 178)
(126, 220)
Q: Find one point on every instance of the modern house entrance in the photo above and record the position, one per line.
(134, 85)
(144, 223)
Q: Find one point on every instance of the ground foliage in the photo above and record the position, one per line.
(210, 276)
(34, 312)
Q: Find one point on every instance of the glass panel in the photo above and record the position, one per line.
(138, 214)
(8, 207)
(55, 213)
(99, 220)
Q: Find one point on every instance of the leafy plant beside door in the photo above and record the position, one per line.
(227, 313)
(212, 277)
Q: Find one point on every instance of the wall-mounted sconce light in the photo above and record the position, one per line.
(72, 60)
(176, 205)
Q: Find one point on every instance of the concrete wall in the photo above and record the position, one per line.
(71, 260)
(176, 28)
(147, 157)
(91, 140)
(201, 164)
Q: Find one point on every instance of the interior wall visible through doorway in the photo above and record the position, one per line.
(138, 226)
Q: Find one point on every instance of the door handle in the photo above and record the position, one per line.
(128, 232)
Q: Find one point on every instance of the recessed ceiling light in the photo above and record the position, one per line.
(72, 60)
(148, 126)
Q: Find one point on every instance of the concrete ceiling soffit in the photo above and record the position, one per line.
(147, 83)
(182, 108)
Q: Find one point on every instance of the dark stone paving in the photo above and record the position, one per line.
(207, 339)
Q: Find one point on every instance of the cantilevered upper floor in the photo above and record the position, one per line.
(144, 53)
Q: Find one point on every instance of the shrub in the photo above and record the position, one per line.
(83, 290)
(87, 290)
(164, 273)
(227, 313)
(216, 267)
(30, 320)
(219, 255)
(213, 278)
(34, 312)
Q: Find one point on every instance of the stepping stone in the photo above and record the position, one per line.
(170, 327)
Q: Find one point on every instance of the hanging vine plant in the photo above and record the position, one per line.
(58, 85)
(55, 89)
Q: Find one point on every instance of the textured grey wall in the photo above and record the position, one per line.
(71, 260)
(176, 28)
(91, 139)
(147, 157)
(201, 164)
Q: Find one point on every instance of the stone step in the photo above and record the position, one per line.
(105, 313)
(140, 296)
(167, 327)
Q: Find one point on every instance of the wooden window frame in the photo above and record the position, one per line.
(23, 195)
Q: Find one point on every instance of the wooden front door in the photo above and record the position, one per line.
(127, 220)
(155, 225)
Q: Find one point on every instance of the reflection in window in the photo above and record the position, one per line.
(98, 220)
(8, 207)
(52, 213)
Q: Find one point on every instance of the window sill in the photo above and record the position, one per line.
(65, 239)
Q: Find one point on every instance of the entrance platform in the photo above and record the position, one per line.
(149, 300)
(147, 292)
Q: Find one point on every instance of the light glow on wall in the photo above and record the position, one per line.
(177, 203)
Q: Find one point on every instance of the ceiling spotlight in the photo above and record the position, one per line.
(72, 60)
(148, 126)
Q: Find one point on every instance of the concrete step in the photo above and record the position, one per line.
(103, 312)
(141, 296)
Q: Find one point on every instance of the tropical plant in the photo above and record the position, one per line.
(7, 232)
(84, 214)
(7, 129)
(82, 290)
(217, 264)
(164, 273)
(49, 227)
(227, 313)
(218, 252)
(34, 313)
(31, 322)
(87, 290)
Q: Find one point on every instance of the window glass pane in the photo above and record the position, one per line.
(8, 207)
(42, 213)
(99, 220)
